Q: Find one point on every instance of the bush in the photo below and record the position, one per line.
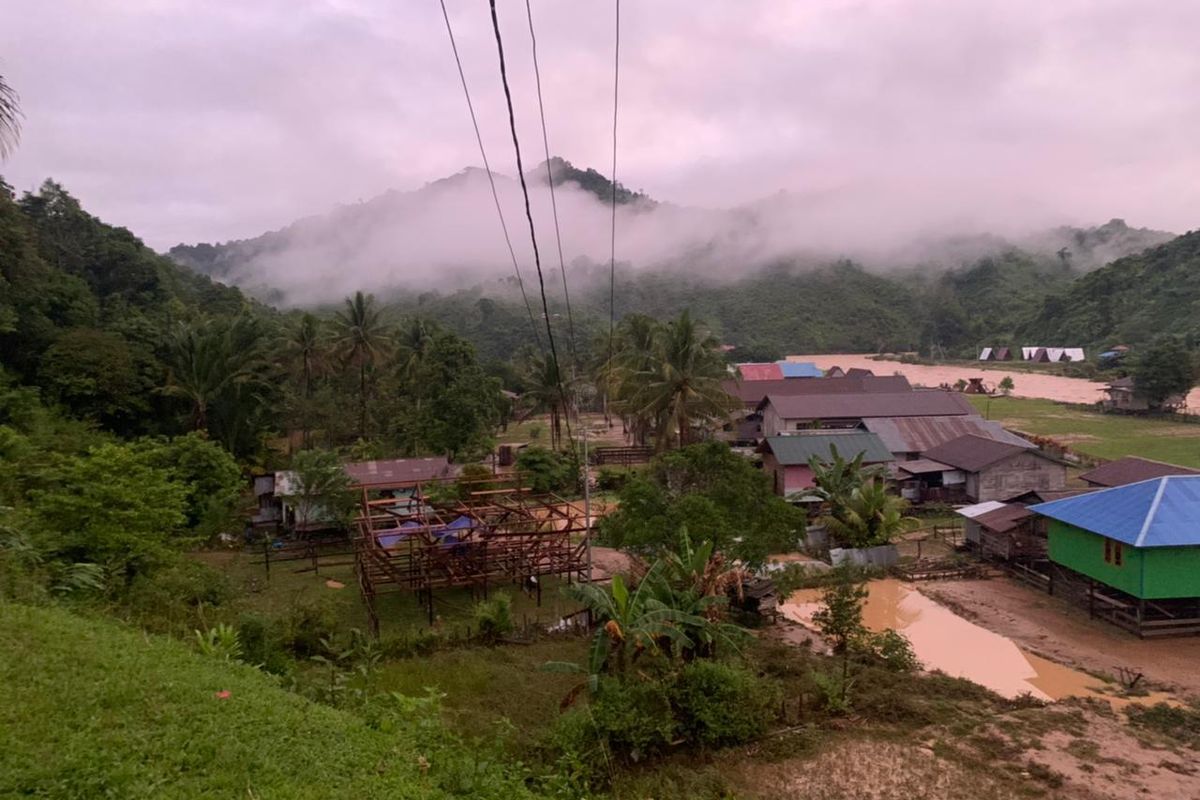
(493, 618)
(718, 704)
(415, 642)
(889, 649)
(262, 643)
(545, 470)
(307, 626)
(633, 717)
(174, 597)
(579, 757)
(613, 479)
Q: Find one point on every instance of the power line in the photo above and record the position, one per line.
(537, 259)
(612, 258)
(492, 181)
(562, 268)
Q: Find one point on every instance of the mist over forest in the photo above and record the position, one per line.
(447, 236)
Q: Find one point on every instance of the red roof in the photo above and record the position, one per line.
(761, 372)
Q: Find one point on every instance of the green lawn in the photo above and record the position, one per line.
(95, 709)
(1105, 436)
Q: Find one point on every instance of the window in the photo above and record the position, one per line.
(1112, 553)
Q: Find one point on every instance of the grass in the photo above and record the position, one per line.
(94, 709)
(1106, 436)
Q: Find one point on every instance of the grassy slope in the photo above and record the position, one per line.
(92, 709)
(1101, 435)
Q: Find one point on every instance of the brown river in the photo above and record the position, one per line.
(1026, 384)
(944, 641)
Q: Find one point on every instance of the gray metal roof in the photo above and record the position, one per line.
(798, 449)
(862, 406)
(753, 392)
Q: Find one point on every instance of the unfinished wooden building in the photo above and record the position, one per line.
(410, 542)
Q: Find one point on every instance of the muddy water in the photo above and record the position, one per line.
(945, 641)
(1027, 384)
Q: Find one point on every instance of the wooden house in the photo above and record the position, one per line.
(1139, 544)
(995, 470)
(786, 458)
(790, 413)
(1132, 469)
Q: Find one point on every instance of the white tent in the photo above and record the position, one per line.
(1027, 352)
(985, 354)
(1074, 353)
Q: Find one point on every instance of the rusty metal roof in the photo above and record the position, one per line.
(1132, 469)
(919, 434)
(753, 392)
(867, 404)
(972, 453)
(399, 471)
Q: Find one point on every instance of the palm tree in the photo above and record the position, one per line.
(210, 362)
(10, 119)
(870, 516)
(623, 375)
(362, 339)
(304, 351)
(413, 343)
(546, 392)
(684, 385)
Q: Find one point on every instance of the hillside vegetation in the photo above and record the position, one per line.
(92, 709)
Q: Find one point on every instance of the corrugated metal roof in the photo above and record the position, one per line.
(753, 392)
(760, 372)
(1003, 520)
(798, 449)
(799, 369)
(971, 512)
(918, 434)
(972, 453)
(1132, 469)
(922, 466)
(399, 470)
(863, 405)
(1163, 512)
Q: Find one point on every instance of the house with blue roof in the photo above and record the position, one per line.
(1142, 539)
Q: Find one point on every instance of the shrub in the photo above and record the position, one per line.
(307, 626)
(545, 470)
(579, 757)
(634, 717)
(889, 649)
(493, 618)
(262, 643)
(415, 642)
(176, 596)
(718, 704)
(613, 479)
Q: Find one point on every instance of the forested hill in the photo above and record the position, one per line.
(87, 311)
(1132, 300)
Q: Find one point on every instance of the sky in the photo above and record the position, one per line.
(208, 121)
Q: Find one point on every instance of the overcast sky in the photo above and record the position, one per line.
(203, 121)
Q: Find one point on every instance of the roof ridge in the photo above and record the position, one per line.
(1162, 485)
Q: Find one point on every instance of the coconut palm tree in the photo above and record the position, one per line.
(212, 362)
(546, 392)
(362, 340)
(304, 346)
(10, 119)
(413, 342)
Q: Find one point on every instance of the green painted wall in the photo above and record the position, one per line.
(1171, 572)
(1153, 573)
(1083, 551)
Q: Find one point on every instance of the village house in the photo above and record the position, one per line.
(790, 413)
(786, 458)
(910, 438)
(1132, 469)
(1137, 549)
(995, 470)
(778, 370)
(1123, 395)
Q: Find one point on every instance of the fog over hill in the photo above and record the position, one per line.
(447, 234)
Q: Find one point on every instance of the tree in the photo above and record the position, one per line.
(321, 490)
(869, 516)
(304, 350)
(545, 470)
(1007, 385)
(10, 119)
(93, 373)
(837, 478)
(1163, 371)
(546, 393)
(363, 339)
(840, 614)
(710, 491)
(113, 507)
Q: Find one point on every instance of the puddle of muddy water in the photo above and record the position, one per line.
(944, 641)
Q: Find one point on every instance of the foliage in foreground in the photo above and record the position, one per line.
(94, 710)
(710, 491)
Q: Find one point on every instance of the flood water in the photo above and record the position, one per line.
(944, 641)
(1026, 384)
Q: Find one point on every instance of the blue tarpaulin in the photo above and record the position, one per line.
(1163, 512)
(450, 533)
(799, 369)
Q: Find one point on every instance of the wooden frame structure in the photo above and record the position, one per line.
(415, 543)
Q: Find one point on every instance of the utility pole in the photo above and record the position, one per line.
(587, 500)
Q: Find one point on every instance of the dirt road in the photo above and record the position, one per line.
(1057, 630)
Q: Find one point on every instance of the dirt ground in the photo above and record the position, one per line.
(607, 562)
(1057, 630)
